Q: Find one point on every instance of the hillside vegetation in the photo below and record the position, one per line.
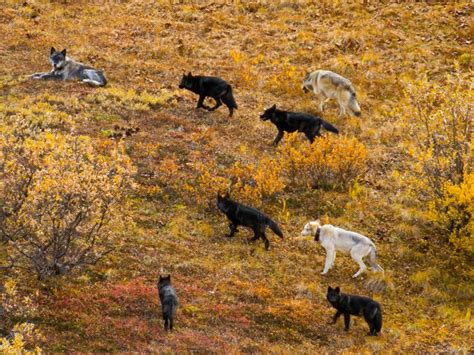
(103, 189)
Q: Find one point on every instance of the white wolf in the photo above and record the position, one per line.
(337, 239)
(328, 85)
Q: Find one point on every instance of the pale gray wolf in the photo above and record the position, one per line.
(337, 239)
(169, 300)
(65, 68)
(328, 85)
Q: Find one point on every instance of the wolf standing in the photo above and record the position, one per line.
(337, 239)
(65, 68)
(241, 215)
(210, 86)
(348, 305)
(287, 121)
(169, 300)
(328, 85)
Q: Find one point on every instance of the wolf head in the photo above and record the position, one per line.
(268, 114)
(334, 294)
(57, 59)
(354, 105)
(186, 81)
(311, 228)
(164, 280)
(223, 202)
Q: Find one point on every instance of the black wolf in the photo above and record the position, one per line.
(65, 68)
(287, 121)
(241, 215)
(169, 300)
(210, 86)
(357, 306)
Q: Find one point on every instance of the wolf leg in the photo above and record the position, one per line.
(342, 110)
(45, 76)
(171, 324)
(200, 102)
(278, 138)
(233, 229)
(265, 240)
(217, 105)
(336, 317)
(330, 256)
(310, 136)
(166, 324)
(357, 256)
(347, 321)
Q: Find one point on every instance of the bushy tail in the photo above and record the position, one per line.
(378, 320)
(228, 98)
(373, 260)
(329, 127)
(274, 227)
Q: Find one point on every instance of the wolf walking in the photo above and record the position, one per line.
(210, 86)
(348, 305)
(65, 68)
(337, 239)
(287, 121)
(241, 215)
(169, 300)
(328, 85)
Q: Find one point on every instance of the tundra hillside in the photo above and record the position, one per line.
(104, 189)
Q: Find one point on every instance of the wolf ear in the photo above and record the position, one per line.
(53, 50)
(63, 52)
(337, 289)
(227, 195)
(273, 108)
(329, 289)
(168, 277)
(190, 75)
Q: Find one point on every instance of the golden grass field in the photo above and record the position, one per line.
(235, 297)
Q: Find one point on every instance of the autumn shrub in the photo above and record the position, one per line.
(437, 120)
(15, 310)
(60, 200)
(331, 162)
(456, 213)
(251, 182)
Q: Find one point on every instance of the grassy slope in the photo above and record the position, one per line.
(235, 296)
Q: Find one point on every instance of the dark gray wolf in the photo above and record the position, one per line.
(328, 85)
(337, 239)
(169, 300)
(65, 68)
(348, 305)
(210, 86)
(287, 121)
(241, 215)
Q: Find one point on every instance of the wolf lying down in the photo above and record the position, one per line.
(65, 68)
(241, 215)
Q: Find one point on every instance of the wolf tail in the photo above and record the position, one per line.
(228, 98)
(329, 127)
(373, 260)
(94, 77)
(378, 320)
(274, 227)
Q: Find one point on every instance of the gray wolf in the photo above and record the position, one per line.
(287, 121)
(357, 306)
(241, 215)
(328, 85)
(169, 300)
(210, 86)
(337, 239)
(65, 68)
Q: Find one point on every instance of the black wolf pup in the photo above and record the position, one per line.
(287, 121)
(65, 68)
(169, 300)
(210, 86)
(241, 215)
(357, 306)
